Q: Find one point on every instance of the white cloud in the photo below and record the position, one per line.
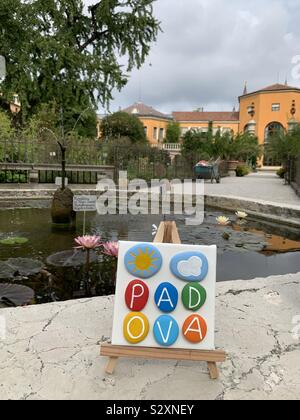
(209, 48)
(191, 267)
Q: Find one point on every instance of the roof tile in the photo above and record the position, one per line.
(141, 109)
(206, 116)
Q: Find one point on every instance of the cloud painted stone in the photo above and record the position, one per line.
(166, 297)
(194, 329)
(193, 296)
(165, 330)
(189, 266)
(135, 327)
(143, 260)
(136, 295)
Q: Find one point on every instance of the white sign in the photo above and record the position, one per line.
(84, 203)
(58, 181)
(165, 296)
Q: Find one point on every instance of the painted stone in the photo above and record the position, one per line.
(194, 329)
(189, 266)
(136, 327)
(165, 330)
(166, 297)
(136, 295)
(143, 260)
(193, 296)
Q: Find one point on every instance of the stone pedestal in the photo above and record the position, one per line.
(62, 207)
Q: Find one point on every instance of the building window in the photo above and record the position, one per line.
(161, 134)
(155, 133)
(184, 131)
(276, 107)
(146, 130)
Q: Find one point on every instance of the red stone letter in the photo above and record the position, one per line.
(136, 295)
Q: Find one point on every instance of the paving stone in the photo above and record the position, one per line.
(51, 351)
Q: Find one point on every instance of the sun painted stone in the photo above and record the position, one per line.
(165, 330)
(193, 296)
(143, 260)
(166, 297)
(136, 295)
(189, 266)
(136, 327)
(194, 329)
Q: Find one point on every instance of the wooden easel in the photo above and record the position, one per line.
(167, 233)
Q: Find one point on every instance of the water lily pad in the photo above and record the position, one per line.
(71, 258)
(15, 295)
(14, 241)
(15, 267)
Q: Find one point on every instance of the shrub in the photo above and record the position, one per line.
(281, 172)
(13, 177)
(242, 171)
(120, 124)
(173, 132)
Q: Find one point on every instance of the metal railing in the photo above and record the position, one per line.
(24, 150)
(20, 157)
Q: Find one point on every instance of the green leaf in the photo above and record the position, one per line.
(14, 241)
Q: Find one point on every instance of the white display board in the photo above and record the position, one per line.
(165, 296)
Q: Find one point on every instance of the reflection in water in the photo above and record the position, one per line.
(275, 243)
(233, 262)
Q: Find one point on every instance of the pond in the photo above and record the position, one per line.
(252, 249)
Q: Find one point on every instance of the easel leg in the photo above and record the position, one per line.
(111, 365)
(213, 370)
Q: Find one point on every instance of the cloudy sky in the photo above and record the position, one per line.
(209, 48)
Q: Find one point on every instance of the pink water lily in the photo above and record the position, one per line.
(111, 249)
(88, 242)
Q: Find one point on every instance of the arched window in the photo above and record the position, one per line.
(272, 129)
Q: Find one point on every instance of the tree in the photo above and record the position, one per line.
(120, 124)
(173, 132)
(226, 145)
(284, 146)
(246, 147)
(6, 133)
(6, 130)
(195, 142)
(49, 117)
(56, 50)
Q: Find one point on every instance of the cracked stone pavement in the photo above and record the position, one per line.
(52, 351)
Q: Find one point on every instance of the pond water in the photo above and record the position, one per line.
(253, 249)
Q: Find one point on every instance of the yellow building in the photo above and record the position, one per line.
(269, 110)
(200, 120)
(262, 113)
(155, 123)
